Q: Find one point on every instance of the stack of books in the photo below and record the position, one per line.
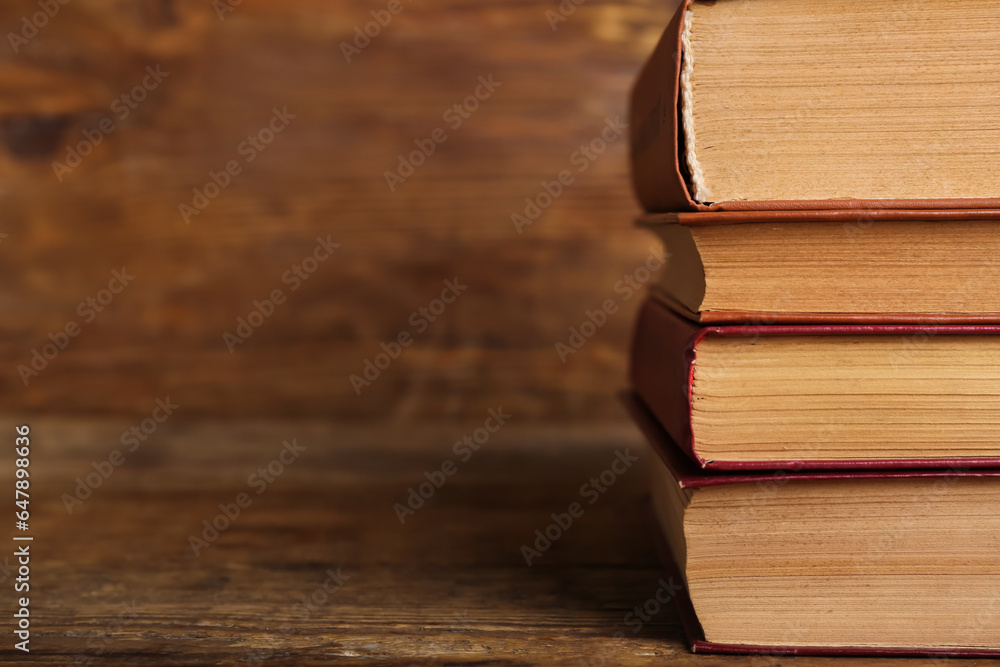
(818, 368)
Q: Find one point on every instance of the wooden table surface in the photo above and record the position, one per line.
(116, 582)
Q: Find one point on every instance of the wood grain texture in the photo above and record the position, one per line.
(322, 176)
(448, 587)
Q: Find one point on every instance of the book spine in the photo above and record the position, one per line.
(654, 126)
(660, 370)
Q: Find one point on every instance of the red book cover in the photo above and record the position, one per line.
(663, 356)
(689, 476)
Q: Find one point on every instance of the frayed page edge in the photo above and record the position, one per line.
(700, 191)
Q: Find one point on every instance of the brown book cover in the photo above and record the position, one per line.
(657, 145)
(955, 245)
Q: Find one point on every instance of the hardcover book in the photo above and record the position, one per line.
(821, 396)
(832, 266)
(813, 563)
(820, 104)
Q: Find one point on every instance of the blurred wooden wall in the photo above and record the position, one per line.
(323, 175)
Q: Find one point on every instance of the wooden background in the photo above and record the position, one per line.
(322, 176)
